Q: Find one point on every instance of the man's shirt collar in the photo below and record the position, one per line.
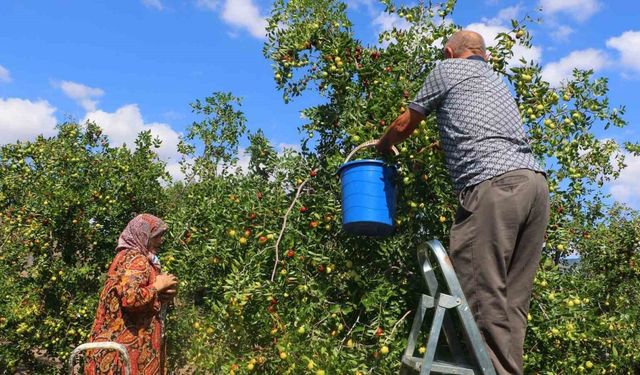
(475, 57)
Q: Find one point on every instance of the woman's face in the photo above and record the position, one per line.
(155, 242)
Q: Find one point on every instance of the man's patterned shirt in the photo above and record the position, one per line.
(480, 127)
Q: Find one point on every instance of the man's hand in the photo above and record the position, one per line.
(399, 130)
(383, 147)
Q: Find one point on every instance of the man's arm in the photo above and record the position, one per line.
(427, 100)
(399, 130)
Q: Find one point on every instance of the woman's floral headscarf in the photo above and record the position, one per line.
(138, 232)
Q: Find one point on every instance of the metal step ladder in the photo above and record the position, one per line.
(474, 360)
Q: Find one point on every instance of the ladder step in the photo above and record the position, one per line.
(439, 367)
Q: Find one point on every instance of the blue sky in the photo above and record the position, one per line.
(137, 64)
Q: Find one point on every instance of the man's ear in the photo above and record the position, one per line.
(448, 53)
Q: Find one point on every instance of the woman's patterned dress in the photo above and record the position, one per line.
(129, 314)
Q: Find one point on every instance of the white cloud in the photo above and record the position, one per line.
(355, 4)
(156, 4)
(289, 146)
(5, 76)
(385, 21)
(243, 160)
(175, 171)
(241, 14)
(556, 72)
(124, 125)
(504, 15)
(82, 94)
(581, 10)
(627, 187)
(208, 4)
(173, 115)
(562, 33)
(489, 33)
(628, 44)
(22, 119)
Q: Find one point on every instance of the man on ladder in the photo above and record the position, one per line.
(497, 237)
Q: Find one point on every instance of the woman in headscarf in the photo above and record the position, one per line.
(129, 310)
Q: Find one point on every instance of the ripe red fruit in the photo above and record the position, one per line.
(259, 195)
(291, 253)
(314, 224)
(379, 332)
(313, 173)
(375, 55)
(321, 268)
(247, 232)
(262, 239)
(303, 209)
(252, 216)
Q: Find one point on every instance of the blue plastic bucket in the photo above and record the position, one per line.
(368, 197)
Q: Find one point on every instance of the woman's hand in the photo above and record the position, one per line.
(165, 282)
(168, 294)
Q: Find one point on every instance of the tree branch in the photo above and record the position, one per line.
(284, 225)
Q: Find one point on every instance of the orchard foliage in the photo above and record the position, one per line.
(585, 319)
(268, 281)
(63, 202)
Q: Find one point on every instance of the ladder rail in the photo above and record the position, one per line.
(429, 275)
(444, 295)
(425, 303)
(471, 330)
(432, 343)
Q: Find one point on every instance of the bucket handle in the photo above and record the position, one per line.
(372, 142)
(102, 345)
